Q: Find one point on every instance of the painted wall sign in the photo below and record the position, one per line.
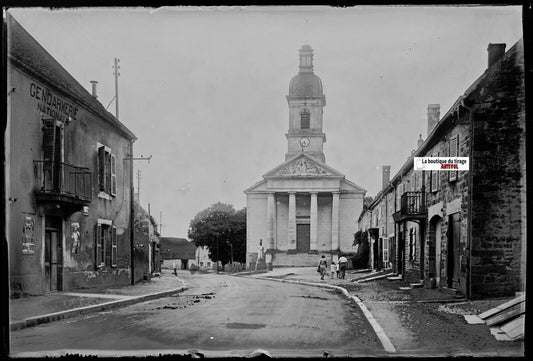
(53, 105)
(75, 236)
(28, 235)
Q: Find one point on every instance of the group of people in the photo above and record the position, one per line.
(337, 270)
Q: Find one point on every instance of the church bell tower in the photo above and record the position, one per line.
(306, 102)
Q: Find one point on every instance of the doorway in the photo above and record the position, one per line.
(53, 255)
(303, 238)
(454, 240)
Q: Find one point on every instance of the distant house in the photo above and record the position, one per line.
(178, 250)
(202, 259)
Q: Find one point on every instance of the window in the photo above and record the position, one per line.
(106, 239)
(385, 252)
(305, 119)
(454, 152)
(434, 179)
(107, 178)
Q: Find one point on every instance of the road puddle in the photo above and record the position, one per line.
(248, 326)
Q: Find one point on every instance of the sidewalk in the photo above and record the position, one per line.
(34, 310)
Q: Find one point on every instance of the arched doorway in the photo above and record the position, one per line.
(435, 249)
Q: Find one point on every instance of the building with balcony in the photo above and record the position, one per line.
(68, 177)
(465, 230)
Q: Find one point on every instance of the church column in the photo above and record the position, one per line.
(271, 228)
(292, 222)
(314, 222)
(335, 222)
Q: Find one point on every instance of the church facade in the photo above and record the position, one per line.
(302, 208)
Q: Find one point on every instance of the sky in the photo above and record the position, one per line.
(204, 88)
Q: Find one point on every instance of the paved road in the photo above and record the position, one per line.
(217, 313)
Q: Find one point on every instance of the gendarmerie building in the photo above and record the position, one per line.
(303, 208)
(68, 178)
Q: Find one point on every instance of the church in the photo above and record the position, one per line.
(302, 208)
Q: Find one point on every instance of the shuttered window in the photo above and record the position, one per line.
(454, 152)
(107, 173)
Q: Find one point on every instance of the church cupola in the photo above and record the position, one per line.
(306, 101)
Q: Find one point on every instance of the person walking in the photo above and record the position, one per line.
(175, 269)
(342, 265)
(322, 266)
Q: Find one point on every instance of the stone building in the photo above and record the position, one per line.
(465, 231)
(302, 207)
(68, 178)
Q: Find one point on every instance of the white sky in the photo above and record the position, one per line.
(204, 88)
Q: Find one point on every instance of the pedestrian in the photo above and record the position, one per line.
(338, 271)
(342, 262)
(333, 269)
(322, 266)
(175, 269)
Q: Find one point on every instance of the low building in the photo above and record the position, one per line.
(68, 178)
(178, 251)
(147, 255)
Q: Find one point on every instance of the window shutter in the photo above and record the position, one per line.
(114, 247)
(454, 151)
(101, 168)
(113, 176)
(98, 246)
(48, 141)
(107, 172)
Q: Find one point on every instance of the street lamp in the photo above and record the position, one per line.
(217, 253)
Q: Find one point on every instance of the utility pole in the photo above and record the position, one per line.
(139, 185)
(161, 223)
(132, 207)
(116, 73)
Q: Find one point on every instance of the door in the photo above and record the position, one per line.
(303, 238)
(454, 240)
(53, 255)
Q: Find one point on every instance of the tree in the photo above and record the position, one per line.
(222, 230)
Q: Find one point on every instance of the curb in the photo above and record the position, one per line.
(37, 320)
(385, 342)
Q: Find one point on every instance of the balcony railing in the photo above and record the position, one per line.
(57, 181)
(412, 206)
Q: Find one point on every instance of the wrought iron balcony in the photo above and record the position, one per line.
(62, 183)
(412, 207)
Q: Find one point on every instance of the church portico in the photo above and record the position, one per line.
(303, 207)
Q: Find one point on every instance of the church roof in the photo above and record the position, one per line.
(305, 85)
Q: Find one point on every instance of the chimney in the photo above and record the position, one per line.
(433, 116)
(94, 82)
(496, 52)
(420, 141)
(385, 178)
